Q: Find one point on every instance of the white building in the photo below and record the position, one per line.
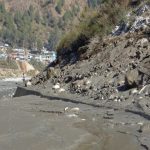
(46, 57)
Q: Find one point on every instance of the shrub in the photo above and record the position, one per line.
(60, 3)
(92, 22)
(37, 65)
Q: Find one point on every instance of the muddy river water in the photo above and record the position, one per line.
(35, 123)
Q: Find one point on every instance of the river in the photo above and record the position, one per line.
(8, 86)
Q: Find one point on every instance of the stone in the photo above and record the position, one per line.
(56, 86)
(75, 110)
(132, 78)
(140, 123)
(143, 42)
(68, 79)
(66, 109)
(72, 116)
(108, 116)
(134, 91)
(61, 90)
(112, 97)
(147, 93)
(144, 66)
(29, 83)
(87, 82)
(110, 112)
(145, 128)
(116, 100)
(52, 72)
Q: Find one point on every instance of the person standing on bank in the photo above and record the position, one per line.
(24, 80)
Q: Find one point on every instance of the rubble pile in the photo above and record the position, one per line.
(115, 69)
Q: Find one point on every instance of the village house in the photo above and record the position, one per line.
(45, 57)
(48, 56)
(19, 54)
(22, 54)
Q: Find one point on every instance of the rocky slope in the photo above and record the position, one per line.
(111, 58)
(112, 73)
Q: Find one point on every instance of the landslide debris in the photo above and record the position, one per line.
(113, 72)
(109, 68)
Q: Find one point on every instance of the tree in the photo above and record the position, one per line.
(8, 22)
(18, 19)
(2, 7)
(94, 3)
(58, 8)
(54, 39)
(37, 17)
(31, 12)
(39, 44)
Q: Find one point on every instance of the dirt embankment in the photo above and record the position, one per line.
(27, 68)
(24, 66)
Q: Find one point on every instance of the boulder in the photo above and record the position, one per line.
(140, 75)
(143, 43)
(81, 86)
(132, 78)
(144, 65)
(68, 79)
(52, 72)
(145, 128)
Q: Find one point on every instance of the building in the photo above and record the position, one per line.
(19, 54)
(48, 56)
(45, 57)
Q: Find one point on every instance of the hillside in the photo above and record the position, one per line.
(33, 24)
